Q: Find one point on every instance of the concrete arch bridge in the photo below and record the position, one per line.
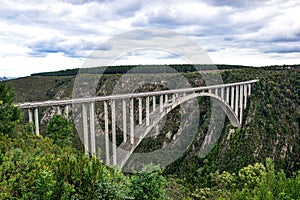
(151, 108)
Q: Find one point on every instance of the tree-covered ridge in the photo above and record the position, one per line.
(146, 69)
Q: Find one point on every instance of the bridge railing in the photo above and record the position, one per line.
(127, 96)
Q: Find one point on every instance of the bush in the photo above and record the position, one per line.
(9, 114)
(60, 130)
(149, 184)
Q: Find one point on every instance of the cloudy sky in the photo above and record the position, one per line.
(40, 36)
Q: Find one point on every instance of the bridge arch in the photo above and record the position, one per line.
(125, 150)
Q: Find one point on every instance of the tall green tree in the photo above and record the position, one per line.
(9, 113)
(60, 130)
(149, 184)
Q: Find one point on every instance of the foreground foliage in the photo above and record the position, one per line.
(35, 168)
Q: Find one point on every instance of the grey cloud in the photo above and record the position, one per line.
(57, 45)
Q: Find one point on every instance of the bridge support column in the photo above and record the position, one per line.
(236, 107)
(232, 98)
(161, 103)
(227, 94)
(124, 121)
(140, 111)
(66, 111)
(166, 98)
(30, 115)
(156, 130)
(173, 98)
(245, 94)
(147, 112)
(222, 93)
(154, 103)
(85, 128)
(113, 130)
(216, 92)
(58, 110)
(241, 103)
(92, 128)
(106, 133)
(131, 122)
(249, 89)
(36, 119)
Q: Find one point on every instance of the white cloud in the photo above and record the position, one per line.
(43, 36)
(17, 66)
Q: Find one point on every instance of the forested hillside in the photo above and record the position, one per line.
(261, 160)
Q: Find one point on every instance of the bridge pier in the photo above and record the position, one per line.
(92, 128)
(66, 111)
(113, 127)
(30, 115)
(140, 111)
(245, 94)
(36, 119)
(249, 91)
(58, 110)
(124, 121)
(241, 103)
(147, 111)
(166, 98)
(236, 107)
(85, 128)
(222, 93)
(106, 133)
(161, 103)
(131, 121)
(227, 94)
(232, 97)
(154, 103)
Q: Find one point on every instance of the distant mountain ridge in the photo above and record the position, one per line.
(122, 69)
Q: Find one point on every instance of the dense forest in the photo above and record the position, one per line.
(148, 69)
(261, 160)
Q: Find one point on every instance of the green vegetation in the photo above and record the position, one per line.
(145, 69)
(261, 160)
(60, 130)
(9, 114)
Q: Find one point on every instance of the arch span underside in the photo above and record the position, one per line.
(125, 149)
